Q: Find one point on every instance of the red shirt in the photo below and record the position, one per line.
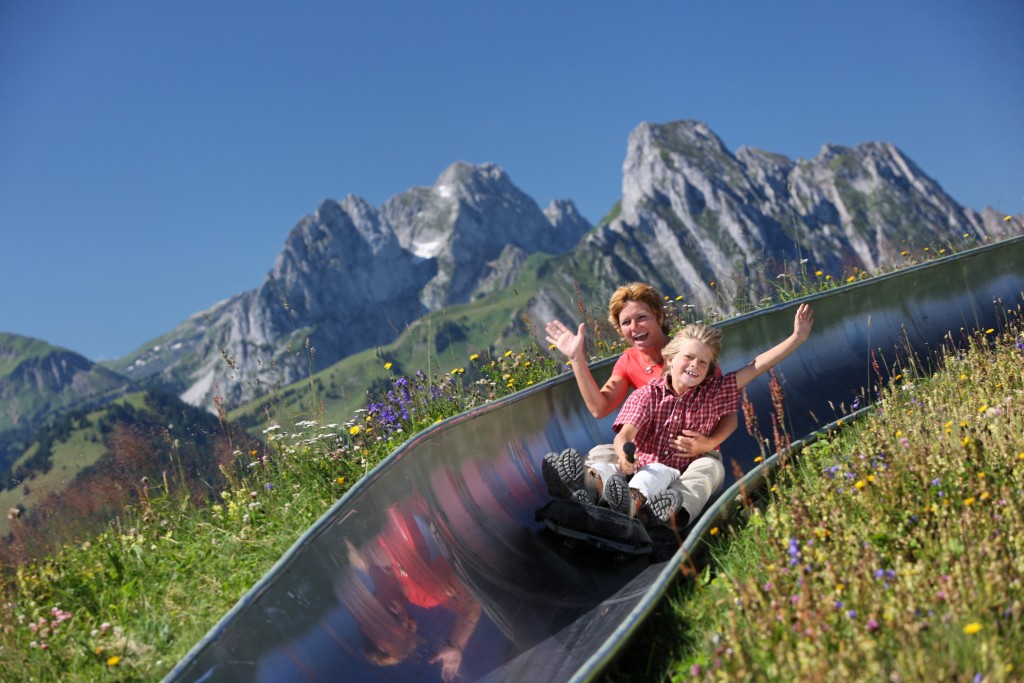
(660, 415)
(631, 366)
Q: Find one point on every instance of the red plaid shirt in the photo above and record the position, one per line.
(660, 415)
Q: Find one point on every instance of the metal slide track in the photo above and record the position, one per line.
(440, 539)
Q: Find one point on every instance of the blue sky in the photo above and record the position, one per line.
(155, 155)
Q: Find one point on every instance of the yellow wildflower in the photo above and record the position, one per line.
(353, 430)
(113, 661)
(387, 366)
(972, 628)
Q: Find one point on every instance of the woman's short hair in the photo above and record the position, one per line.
(636, 291)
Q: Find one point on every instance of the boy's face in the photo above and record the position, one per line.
(640, 326)
(690, 365)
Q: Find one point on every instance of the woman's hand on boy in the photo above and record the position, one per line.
(692, 444)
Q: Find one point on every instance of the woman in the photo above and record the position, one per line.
(637, 313)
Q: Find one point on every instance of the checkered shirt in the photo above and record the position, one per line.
(659, 416)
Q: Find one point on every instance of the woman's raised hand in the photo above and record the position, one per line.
(565, 340)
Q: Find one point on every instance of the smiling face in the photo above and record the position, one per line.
(639, 326)
(690, 366)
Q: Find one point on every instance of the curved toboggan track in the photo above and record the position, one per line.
(442, 534)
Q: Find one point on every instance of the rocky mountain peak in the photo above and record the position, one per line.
(700, 212)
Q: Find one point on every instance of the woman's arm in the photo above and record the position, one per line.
(601, 401)
(802, 323)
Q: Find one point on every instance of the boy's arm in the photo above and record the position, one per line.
(802, 323)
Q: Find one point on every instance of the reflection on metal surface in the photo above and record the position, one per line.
(434, 568)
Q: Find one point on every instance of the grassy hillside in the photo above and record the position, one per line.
(436, 344)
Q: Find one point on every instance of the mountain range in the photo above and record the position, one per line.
(695, 219)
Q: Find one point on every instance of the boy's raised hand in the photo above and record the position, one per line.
(803, 321)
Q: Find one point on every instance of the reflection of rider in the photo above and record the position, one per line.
(403, 572)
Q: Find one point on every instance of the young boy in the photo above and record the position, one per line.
(686, 396)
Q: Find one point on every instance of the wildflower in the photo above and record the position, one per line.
(113, 661)
(969, 501)
(758, 459)
(818, 273)
(972, 628)
(353, 430)
(268, 486)
(714, 531)
(872, 625)
(387, 366)
(679, 298)
(990, 330)
(341, 480)
(860, 484)
(475, 356)
(793, 551)
(905, 442)
(851, 279)
(508, 353)
(253, 494)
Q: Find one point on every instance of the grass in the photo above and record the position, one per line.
(129, 602)
(888, 551)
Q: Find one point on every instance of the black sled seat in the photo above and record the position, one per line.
(608, 530)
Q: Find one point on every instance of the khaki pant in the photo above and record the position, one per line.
(698, 482)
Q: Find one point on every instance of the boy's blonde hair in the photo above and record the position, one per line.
(702, 332)
(636, 291)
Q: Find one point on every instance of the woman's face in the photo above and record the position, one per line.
(640, 326)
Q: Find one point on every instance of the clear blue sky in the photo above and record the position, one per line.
(155, 155)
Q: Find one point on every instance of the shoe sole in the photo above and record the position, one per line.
(664, 506)
(563, 473)
(618, 496)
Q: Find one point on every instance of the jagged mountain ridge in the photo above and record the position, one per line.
(351, 277)
(693, 213)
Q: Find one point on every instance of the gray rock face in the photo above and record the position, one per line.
(351, 277)
(693, 213)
